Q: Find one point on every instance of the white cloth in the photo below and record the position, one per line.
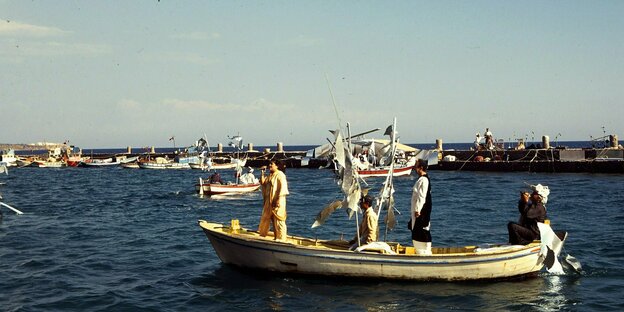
(248, 178)
(381, 247)
(419, 195)
(550, 242)
(422, 248)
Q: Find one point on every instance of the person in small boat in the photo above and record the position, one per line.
(215, 178)
(421, 210)
(368, 226)
(248, 178)
(274, 192)
(531, 212)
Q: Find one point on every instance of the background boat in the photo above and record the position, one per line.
(209, 189)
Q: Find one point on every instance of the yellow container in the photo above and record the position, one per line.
(235, 225)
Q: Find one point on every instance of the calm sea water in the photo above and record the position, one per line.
(112, 239)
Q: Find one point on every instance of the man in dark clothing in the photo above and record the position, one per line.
(526, 230)
(421, 211)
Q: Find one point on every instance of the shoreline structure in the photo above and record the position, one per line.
(536, 158)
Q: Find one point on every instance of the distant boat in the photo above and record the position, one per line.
(210, 165)
(225, 189)
(162, 163)
(383, 171)
(130, 165)
(50, 163)
(24, 162)
(99, 162)
(9, 158)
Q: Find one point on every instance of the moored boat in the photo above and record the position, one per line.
(383, 171)
(210, 165)
(224, 189)
(160, 164)
(99, 162)
(8, 158)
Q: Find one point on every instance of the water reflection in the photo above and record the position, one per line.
(281, 292)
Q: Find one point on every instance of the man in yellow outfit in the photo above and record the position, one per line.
(274, 191)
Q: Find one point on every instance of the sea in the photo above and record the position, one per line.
(114, 239)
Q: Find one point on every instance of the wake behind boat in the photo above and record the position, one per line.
(247, 249)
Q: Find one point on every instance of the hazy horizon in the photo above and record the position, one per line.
(103, 73)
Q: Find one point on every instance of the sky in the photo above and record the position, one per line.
(135, 73)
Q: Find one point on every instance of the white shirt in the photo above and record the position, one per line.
(248, 178)
(419, 195)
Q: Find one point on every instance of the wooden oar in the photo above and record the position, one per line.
(14, 210)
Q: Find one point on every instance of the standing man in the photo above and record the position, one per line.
(274, 192)
(489, 139)
(421, 210)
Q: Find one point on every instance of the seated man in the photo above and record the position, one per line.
(248, 178)
(215, 178)
(526, 230)
(368, 226)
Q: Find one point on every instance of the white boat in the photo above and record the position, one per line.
(383, 171)
(162, 164)
(232, 164)
(24, 162)
(9, 158)
(247, 249)
(225, 189)
(50, 163)
(99, 162)
(130, 165)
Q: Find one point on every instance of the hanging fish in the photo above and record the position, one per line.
(322, 216)
(390, 219)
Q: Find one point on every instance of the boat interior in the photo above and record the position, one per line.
(343, 245)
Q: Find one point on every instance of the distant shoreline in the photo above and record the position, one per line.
(26, 147)
(453, 145)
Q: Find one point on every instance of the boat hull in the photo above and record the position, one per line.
(397, 172)
(306, 256)
(226, 189)
(149, 165)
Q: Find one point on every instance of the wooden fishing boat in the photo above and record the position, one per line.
(205, 188)
(162, 163)
(232, 164)
(169, 165)
(48, 163)
(247, 249)
(24, 162)
(130, 165)
(106, 162)
(383, 171)
(75, 161)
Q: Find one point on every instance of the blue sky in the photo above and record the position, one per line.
(134, 73)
